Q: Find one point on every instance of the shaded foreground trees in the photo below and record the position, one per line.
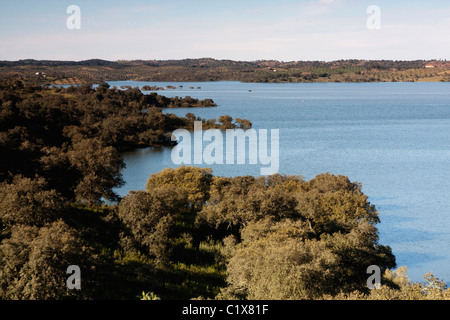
(191, 234)
(27, 201)
(292, 239)
(284, 238)
(31, 261)
(148, 220)
(38, 244)
(188, 234)
(60, 164)
(100, 168)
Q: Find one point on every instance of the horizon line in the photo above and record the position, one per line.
(223, 59)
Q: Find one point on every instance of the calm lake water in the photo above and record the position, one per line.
(394, 138)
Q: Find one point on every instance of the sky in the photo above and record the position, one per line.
(243, 30)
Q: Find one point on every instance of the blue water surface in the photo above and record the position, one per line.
(394, 138)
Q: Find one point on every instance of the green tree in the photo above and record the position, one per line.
(190, 182)
(226, 122)
(295, 239)
(34, 261)
(284, 260)
(235, 202)
(28, 202)
(148, 218)
(100, 168)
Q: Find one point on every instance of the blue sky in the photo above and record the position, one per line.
(249, 30)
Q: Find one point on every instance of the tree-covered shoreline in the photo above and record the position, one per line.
(189, 234)
(74, 135)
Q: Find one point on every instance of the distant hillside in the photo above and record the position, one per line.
(207, 69)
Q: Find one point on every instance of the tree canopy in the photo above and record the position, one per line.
(189, 233)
